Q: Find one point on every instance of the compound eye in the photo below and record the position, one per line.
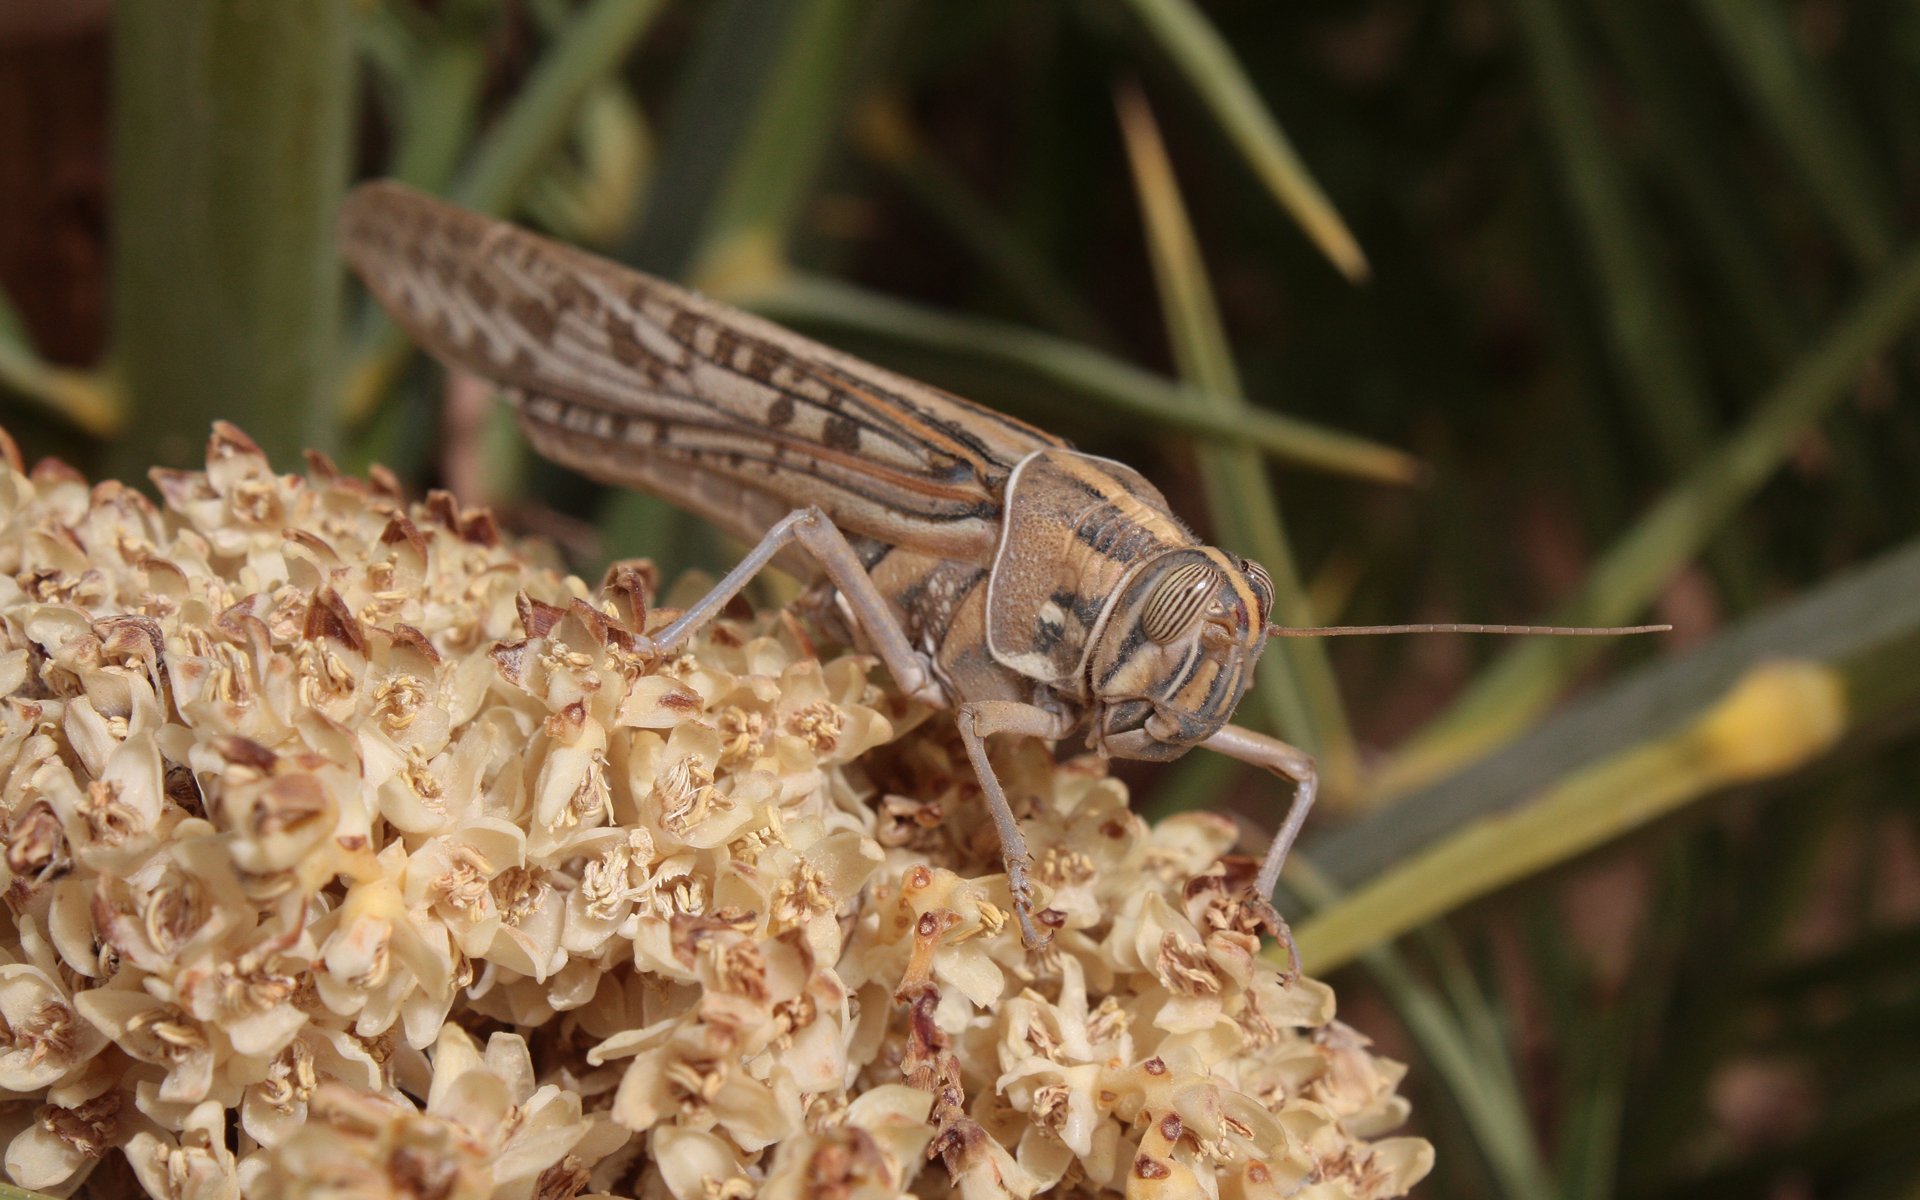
(1178, 601)
(1262, 587)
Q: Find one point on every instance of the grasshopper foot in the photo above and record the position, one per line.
(1032, 932)
(1271, 923)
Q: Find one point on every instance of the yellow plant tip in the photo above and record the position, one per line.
(371, 375)
(744, 264)
(1777, 717)
(342, 832)
(87, 399)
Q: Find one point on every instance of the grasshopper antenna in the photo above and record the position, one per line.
(1517, 630)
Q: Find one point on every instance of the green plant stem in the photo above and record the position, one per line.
(889, 139)
(587, 49)
(595, 202)
(1693, 161)
(712, 104)
(439, 110)
(1646, 332)
(230, 155)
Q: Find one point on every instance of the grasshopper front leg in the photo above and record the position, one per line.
(1288, 762)
(978, 721)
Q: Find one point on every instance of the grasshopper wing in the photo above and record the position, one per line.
(637, 382)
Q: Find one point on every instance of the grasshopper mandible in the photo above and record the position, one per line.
(992, 568)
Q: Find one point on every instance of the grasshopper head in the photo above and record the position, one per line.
(1174, 651)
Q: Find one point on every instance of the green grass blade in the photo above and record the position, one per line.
(589, 49)
(830, 308)
(1609, 1020)
(771, 175)
(1480, 1021)
(1693, 159)
(1211, 69)
(1570, 1013)
(1590, 1132)
(1646, 332)
(1524, 682)
(387, 37)
(13, 331)
(707, 114)
(1296, 683)
(1788, 91)
(595, 202)
(439, 110)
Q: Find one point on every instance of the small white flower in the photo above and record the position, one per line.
(195, 1164)
(44, 1038)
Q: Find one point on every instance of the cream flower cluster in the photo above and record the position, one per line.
(351, 851)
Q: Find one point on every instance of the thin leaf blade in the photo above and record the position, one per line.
(1211, 69)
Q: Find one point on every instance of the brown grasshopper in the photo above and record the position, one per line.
(992, 568)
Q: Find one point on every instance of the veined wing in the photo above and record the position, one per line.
(638, 382)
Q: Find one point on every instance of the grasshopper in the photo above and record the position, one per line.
(992, 568)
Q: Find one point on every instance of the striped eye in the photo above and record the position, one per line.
(1178, 601)
(1262, 586)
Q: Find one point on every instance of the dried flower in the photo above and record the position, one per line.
(352, 850)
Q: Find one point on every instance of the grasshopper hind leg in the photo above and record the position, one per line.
(814, 533)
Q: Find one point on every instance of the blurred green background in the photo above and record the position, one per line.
(1579, 310)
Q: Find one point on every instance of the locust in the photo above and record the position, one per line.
(994, 570)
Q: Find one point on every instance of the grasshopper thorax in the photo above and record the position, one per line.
(1174, 651)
